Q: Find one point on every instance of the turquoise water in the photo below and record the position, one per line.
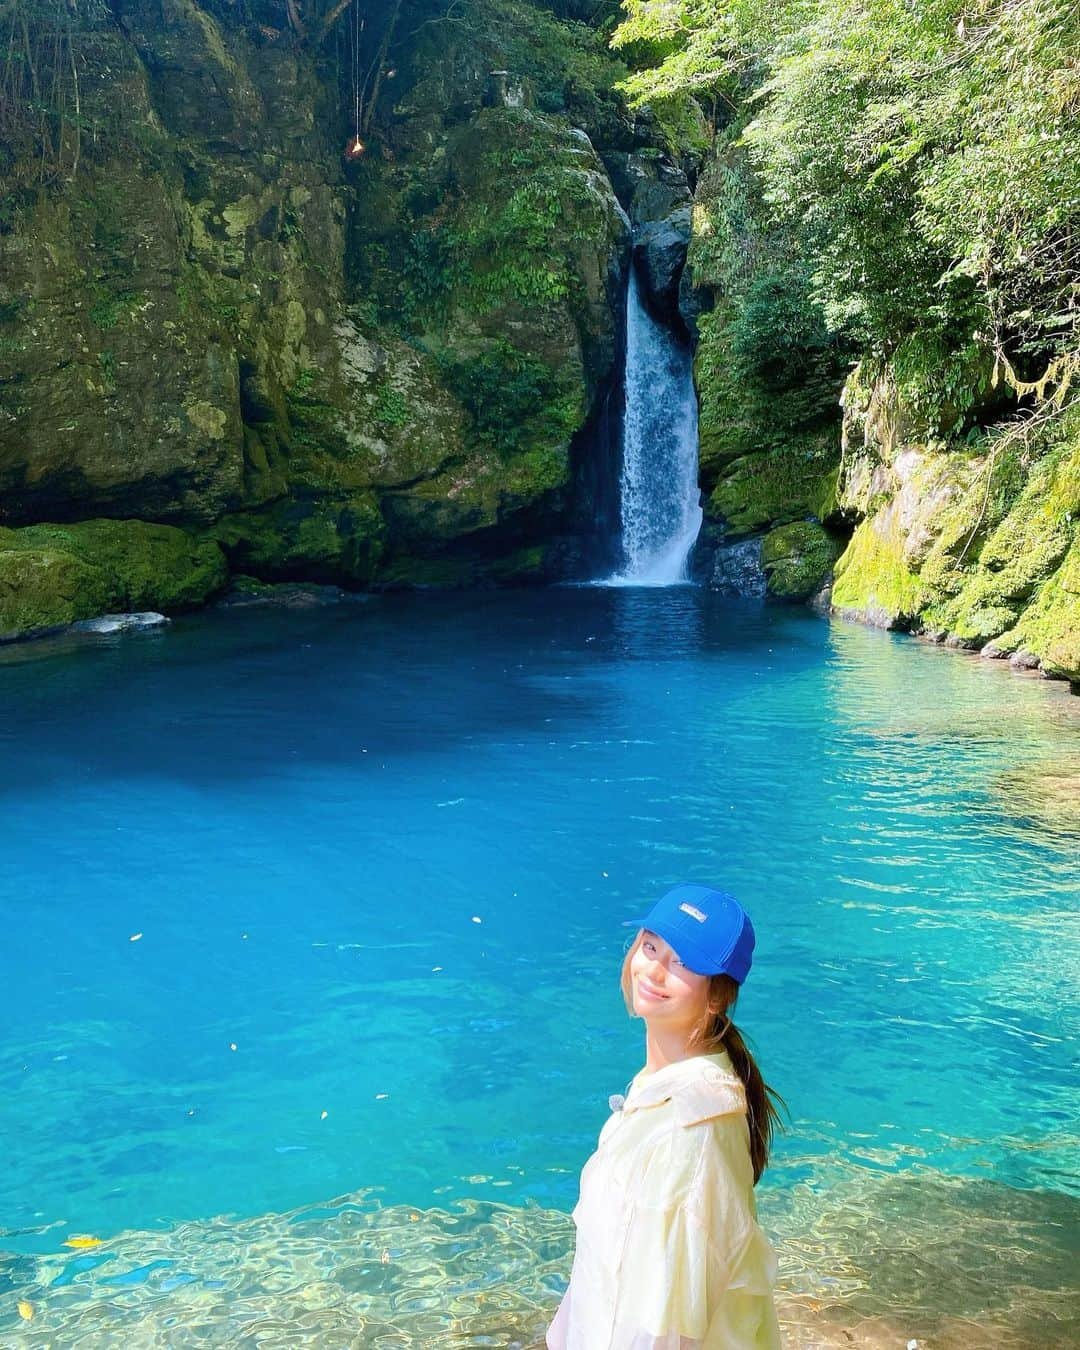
(309, 904)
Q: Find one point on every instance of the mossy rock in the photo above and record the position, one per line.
(148, 566)
(84, 569)
(521, 566)
(42, 589)
(776, 487)
(873, 582)
(308, 539)
(797, 559)
(1050, 626)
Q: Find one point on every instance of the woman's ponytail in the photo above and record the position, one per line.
(762, 1103)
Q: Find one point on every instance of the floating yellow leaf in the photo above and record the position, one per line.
(26, 1310)
(83, 1242)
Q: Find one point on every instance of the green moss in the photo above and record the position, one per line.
(1000, 540)
(1050, 626)
(524, 564)
(514, 401)
(43, 588)
(391, 408)
(99, 565)
(873, 582)
(403, 571)
(450, 572)
(797, 558)
(309, 540)
(109, 310)
(534, 472)
(777, 486)
(517, 212)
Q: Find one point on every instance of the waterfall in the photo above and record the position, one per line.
(660, 507)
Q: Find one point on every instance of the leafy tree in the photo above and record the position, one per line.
(925, 154)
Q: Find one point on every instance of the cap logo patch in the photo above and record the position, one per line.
(694, 913)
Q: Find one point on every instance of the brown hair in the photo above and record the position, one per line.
(716, 1031)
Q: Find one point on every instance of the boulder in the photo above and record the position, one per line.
(737, 570)
(797, 559)
(660, 254)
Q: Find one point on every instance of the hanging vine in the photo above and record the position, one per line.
(42, 121)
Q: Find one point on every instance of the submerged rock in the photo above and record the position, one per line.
(107, 624)
(248, 592)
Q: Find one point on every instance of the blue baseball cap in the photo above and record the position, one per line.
(709, 929)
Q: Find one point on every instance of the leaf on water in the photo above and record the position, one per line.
(83, 1242)
(26, 1310)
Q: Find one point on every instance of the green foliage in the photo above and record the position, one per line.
(511, 398)
(507, 229)
(108, 310)
(924, 154)
(699, 50)
(391, 408)
(928, 153)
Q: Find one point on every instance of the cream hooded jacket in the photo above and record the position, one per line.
(669, 1254)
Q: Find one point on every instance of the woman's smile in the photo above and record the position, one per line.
(661, 981)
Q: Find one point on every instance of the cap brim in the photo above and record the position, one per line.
(677, 941)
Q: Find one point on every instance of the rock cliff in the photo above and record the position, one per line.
(217, 330)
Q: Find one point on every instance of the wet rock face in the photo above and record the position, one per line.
(649, 186)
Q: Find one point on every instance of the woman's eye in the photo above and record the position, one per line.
(648, 947)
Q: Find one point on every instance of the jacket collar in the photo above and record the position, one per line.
(699, 1088)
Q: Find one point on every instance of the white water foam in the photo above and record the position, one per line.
(660, 501)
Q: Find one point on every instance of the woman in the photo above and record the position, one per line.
(669, 1254)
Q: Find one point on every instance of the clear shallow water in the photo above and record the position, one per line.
(304, 814)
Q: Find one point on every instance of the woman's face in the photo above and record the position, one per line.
(665, 993)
